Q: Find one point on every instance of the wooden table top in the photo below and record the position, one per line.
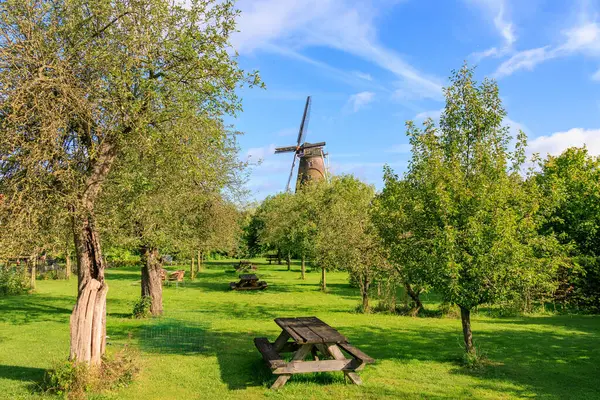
(310, 330)
(249, 277)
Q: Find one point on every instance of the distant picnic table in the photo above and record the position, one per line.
(244, 265)
(248, 282)
(310, 335)
(272, 257)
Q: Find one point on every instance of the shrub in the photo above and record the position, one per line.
(75, 380)
(141, 308)
(13, 281)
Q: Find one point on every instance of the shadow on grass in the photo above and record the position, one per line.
(19, 373)
(240, 364)
(30, 308)
(550, 364)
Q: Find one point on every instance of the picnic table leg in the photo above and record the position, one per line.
(336, 353)
(299, 355)
(281, 341)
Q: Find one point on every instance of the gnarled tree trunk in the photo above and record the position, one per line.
(151, 280)
(88, 320)
(465, 316)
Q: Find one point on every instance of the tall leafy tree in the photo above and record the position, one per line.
(479, 237)
(85, 81)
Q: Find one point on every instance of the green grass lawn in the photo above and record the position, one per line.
(203, 347)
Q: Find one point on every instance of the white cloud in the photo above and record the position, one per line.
(255, 154)
(496, 10)
(363, 75)
(582, 38)
(526, 59)
(287, 27)
(360, 100)
(556, 143)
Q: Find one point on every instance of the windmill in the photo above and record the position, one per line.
(312, 158)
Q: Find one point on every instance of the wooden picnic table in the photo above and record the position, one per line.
(248, 282)
(310, 335)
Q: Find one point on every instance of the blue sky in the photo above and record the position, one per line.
(370, 65)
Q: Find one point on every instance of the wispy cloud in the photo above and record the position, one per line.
(288, 27)
(363, 75)
(496, 10)
(360, 100)
(596, 76)
(256, 154)
(582, 38)
(433, 114)
(287, 132)
(556, 143)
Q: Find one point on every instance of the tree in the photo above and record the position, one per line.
(401, 219)
(346, 238)
(479, 238)
(570, 184)
(86, 82)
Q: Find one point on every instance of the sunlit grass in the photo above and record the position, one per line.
(202, 348)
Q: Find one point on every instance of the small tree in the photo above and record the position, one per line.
(346, 238)
(479, 239)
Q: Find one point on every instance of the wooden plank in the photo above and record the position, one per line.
(298, 356)
(326, 332)
(356, 353)
(268, 352)
(304, 367)
(298, 331)
(283, 324)
(281, 340)
(335, 351)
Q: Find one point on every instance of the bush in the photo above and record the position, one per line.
(13, 281)
(141, 308)
(74, 380)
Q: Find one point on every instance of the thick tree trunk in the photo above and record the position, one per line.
(289, 262)
(151, 281)
(88, 320)
(303, 268)
(415, 297)
(465, 316)
(323, 279)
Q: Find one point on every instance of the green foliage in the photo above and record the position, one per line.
(141, 308)
(570, 184)
(13, 280)
(69, 379)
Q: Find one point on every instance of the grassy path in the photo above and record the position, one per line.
(203, 349)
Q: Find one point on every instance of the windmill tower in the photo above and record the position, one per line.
(312, 159)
